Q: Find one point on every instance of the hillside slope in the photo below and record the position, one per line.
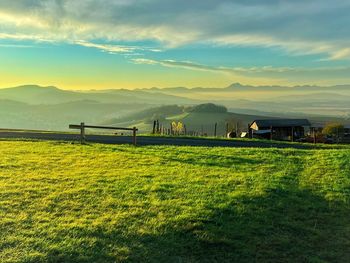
(196, 119)
(15, 114)
(37, 107)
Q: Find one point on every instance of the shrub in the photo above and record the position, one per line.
(208, 107)
(333, 129)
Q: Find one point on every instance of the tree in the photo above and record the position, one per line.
(207, 108)
(177, 127)
(333, 129)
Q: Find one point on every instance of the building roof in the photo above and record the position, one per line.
(281, 122)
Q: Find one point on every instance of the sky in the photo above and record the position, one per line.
(102, 44)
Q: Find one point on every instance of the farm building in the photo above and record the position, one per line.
(347, 129)
(279, 129)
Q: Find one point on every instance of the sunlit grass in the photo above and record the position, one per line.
(62, 202)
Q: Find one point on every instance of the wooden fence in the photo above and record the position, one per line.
(216, 129)
(82, 128)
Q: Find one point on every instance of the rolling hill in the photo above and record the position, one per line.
(196, 118)
(37, 107)
(20, 115)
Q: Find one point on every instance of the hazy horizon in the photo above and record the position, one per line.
(172, 87)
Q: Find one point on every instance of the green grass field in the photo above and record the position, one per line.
(62, 202)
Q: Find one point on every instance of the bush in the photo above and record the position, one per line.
(333, 129)
(208, 107)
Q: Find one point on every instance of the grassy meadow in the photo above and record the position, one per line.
(63, 202)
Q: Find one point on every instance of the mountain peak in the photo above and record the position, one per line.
(235, 86)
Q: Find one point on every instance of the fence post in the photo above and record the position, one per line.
(226, 130)
(337, 135)
(215, 128)
(157, 128)
(82, 132)
(314, 135)
(154, 127)
(271, 133)
(134, 136)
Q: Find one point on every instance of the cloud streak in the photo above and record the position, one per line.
(16, 46)
(106, 47)
(267, 71)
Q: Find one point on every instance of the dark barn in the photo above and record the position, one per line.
(279, 129)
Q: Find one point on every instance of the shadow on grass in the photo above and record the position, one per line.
(196, 158)
(213, 160)
(286, 224)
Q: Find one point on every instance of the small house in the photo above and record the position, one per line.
(279, 129)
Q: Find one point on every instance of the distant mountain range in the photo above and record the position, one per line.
(237, 87)
(37, 107)
(33, 94)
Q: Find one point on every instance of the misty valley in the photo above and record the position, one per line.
(51, 108)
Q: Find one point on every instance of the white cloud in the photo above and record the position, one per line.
(299, 26)
(106, 47)
(341, 53)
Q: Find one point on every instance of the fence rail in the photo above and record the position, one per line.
(82, 128)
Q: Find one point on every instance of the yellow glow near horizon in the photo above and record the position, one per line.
(92, 78)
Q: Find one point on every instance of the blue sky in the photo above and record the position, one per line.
(96, 44)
